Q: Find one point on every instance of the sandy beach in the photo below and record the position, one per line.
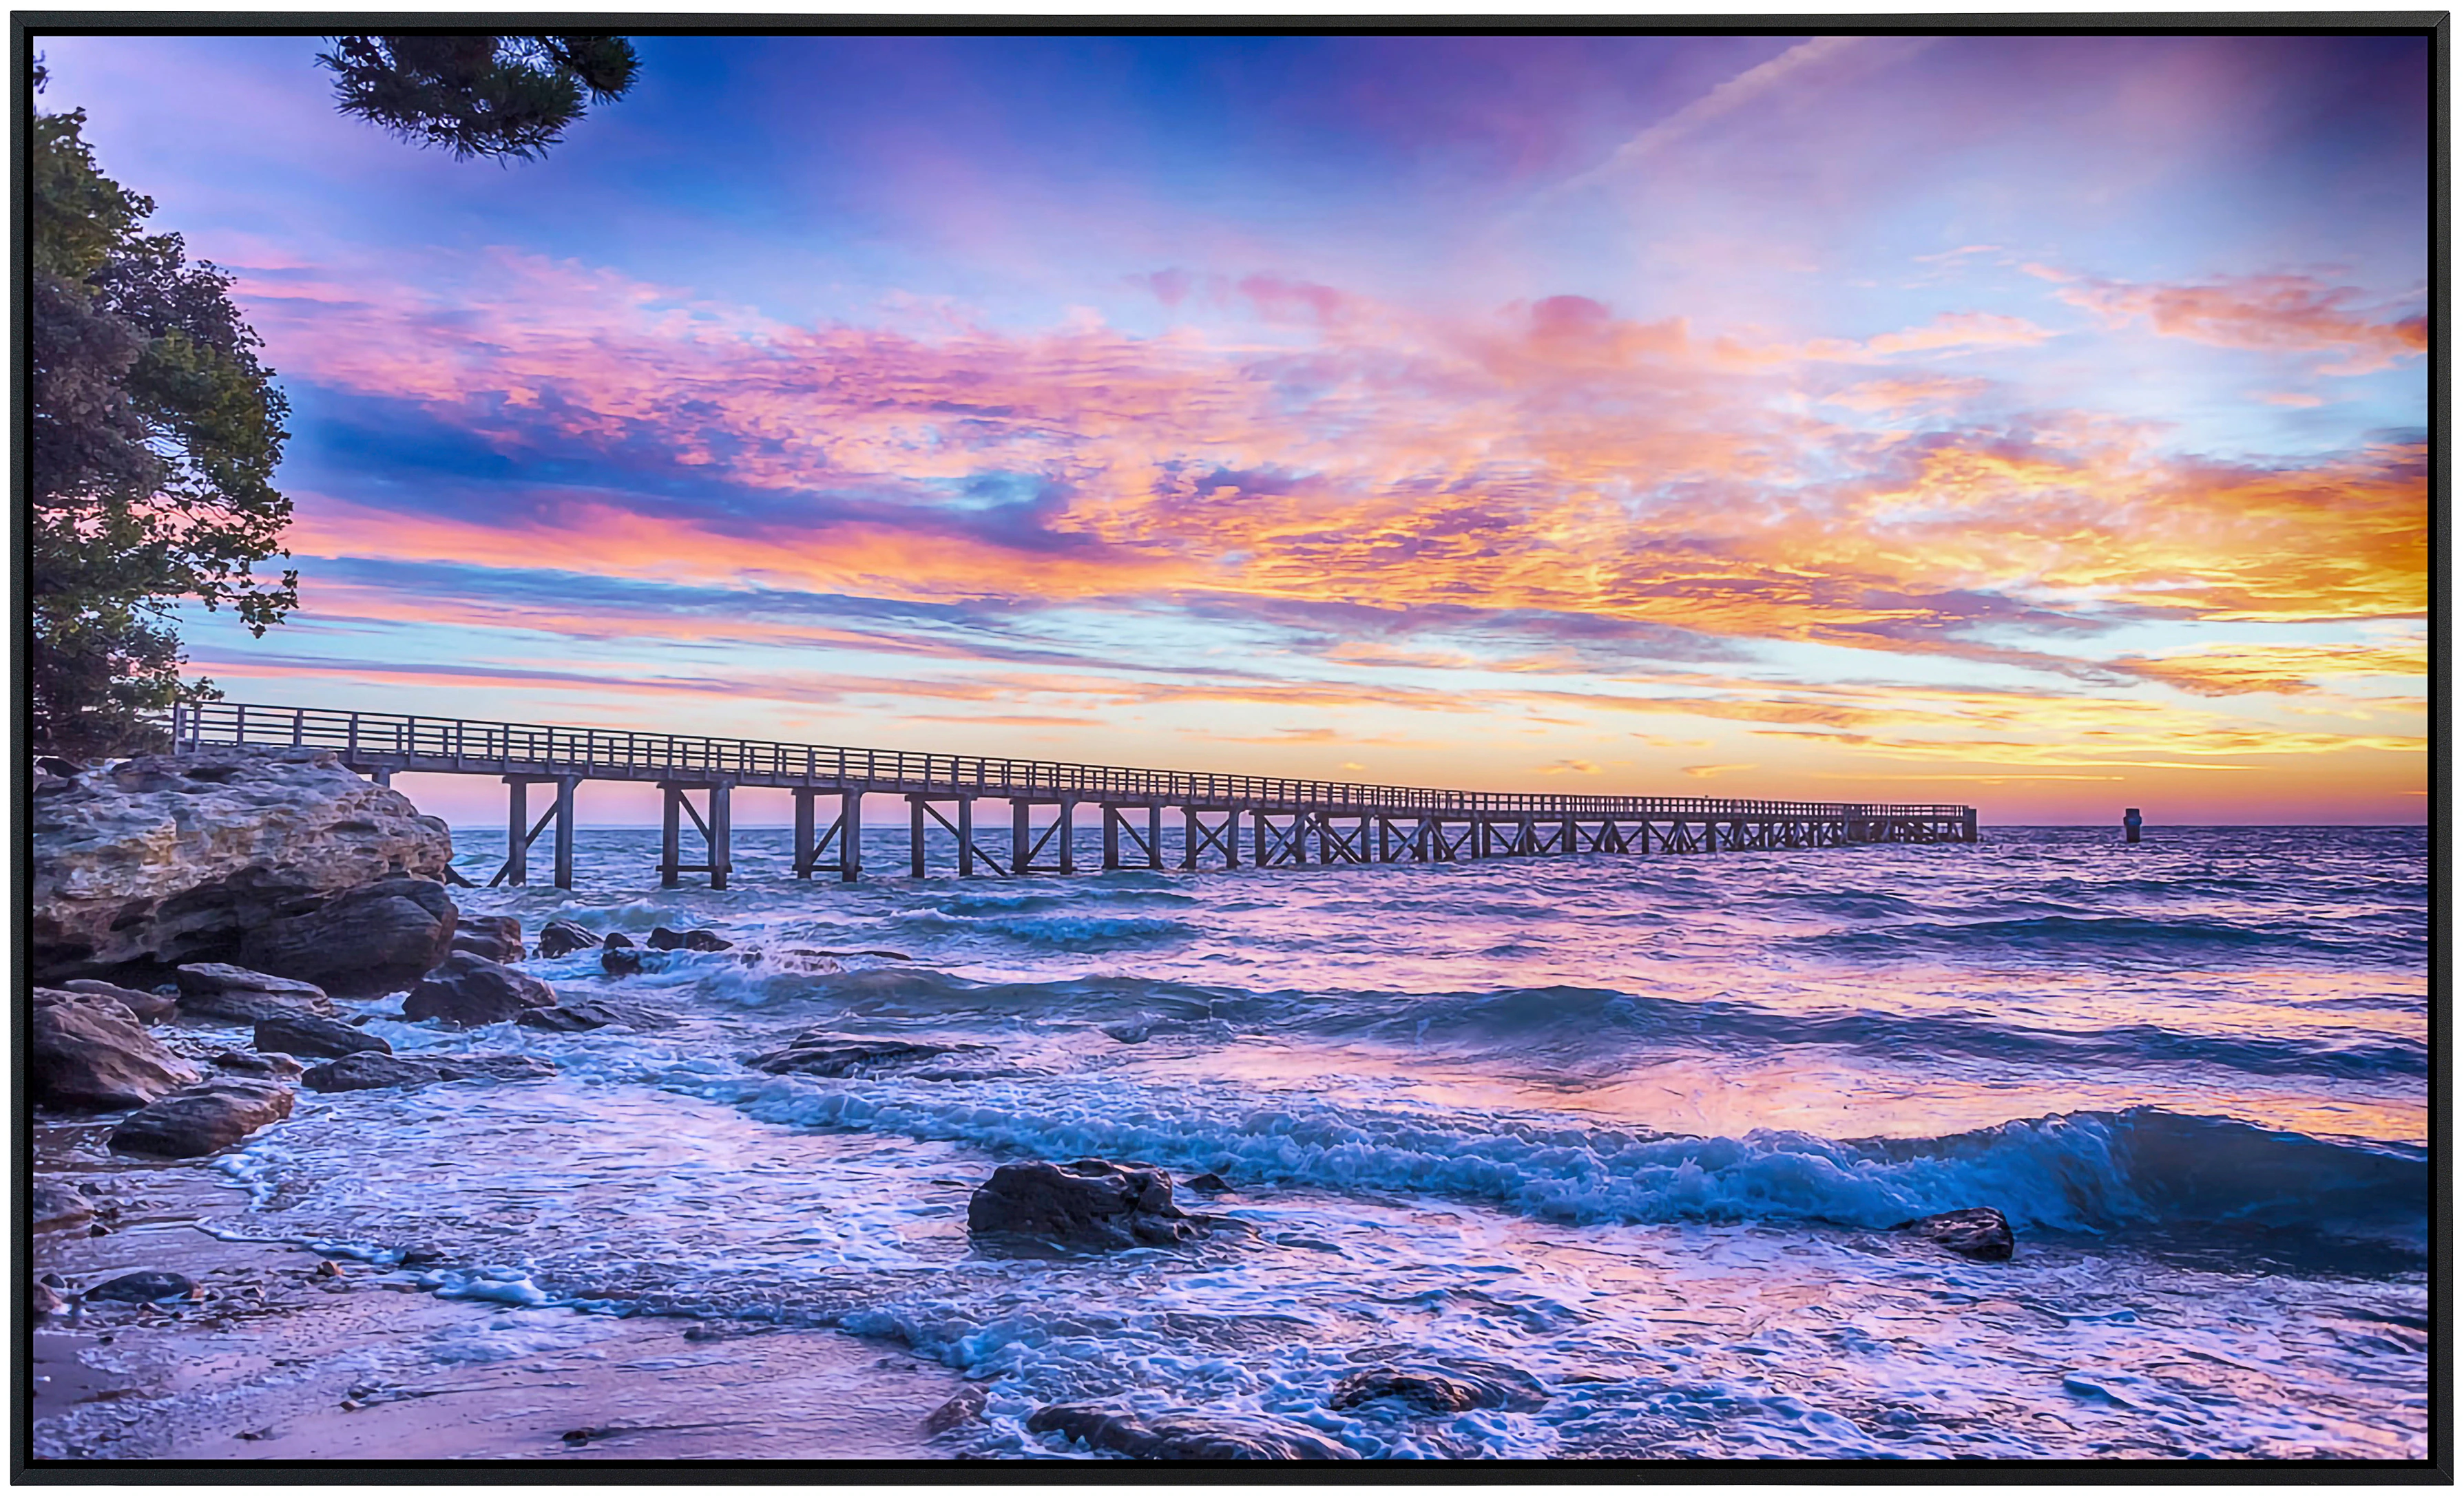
(285, 1360)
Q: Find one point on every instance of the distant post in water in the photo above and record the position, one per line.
(2130, 824)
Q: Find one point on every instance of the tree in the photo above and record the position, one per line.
(478, 96)
(153, 436)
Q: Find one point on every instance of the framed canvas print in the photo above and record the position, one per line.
(1676, 748)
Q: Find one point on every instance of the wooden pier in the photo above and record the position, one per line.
(1223, 817)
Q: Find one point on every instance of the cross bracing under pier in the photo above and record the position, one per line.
(1287, 822)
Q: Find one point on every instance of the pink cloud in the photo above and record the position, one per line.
(1550, 456)
(1950, 332)
(2286, 313)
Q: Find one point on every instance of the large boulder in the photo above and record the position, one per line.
(373, 937)
(150, 1007)
(469, 990)
(318, 1038)
(85, 1053)
(1186, 1435)
(204, 1118)
(1088, 1204)
(235, 994)
(174, 858)
(496, 936)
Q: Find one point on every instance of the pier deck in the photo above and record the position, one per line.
(1287, 819)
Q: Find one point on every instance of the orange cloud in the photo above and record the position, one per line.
(1556, 459)
(1548, 465)
(2239, 668)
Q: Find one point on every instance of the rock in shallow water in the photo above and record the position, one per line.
(318, 1038)
(272, 1067)
(174, 858)
(204, 1118)
(85, 1053)
(797, 962)
(370, 1071)
(146, 1287)
(496, 936)
(625, 961)
(497, 1067)
(967, 1407)
(215, 990)
(1453, 1389)
(1980, 1233)
(664, 938)
(469, 991)
(577, 1015)
(562, 938)
(1187, 1435)
(1088, 1204)
(821, 1052)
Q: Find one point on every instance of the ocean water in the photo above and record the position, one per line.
(1634, 1128)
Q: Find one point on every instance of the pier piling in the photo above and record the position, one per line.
(671, 839)
(850, 835)
(566, 786)
(518, 841)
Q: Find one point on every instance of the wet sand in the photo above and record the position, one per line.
(346, 1365)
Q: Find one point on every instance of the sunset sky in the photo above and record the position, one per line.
(2033, 422)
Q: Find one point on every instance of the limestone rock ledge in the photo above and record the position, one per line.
(169, 859)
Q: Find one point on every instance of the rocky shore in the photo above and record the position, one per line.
(178, 898)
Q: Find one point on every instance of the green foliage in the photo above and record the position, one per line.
(153, 438)
(478, 96)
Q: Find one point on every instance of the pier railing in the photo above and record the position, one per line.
(459, 745)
